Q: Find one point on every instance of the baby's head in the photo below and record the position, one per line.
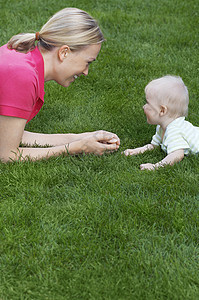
(171, 92)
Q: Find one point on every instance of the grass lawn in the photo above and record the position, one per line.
(89, 227)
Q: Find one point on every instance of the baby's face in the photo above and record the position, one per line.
(152, 109)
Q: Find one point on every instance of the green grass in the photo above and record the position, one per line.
(89, 227)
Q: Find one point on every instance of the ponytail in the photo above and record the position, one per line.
(70, 26)
(22, 42)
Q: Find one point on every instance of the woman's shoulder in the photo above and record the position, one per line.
(15, 64)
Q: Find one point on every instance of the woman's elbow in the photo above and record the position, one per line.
(8, 156)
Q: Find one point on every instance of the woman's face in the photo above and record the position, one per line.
(72, 64)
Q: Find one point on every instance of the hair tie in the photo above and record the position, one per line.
(37, 37)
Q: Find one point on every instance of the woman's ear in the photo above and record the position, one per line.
(163, 110)
(63, 52)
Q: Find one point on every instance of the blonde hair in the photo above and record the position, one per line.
(172, 92)
(70, 26)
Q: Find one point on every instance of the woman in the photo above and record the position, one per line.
(67, 44)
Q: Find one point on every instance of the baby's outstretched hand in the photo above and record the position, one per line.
(128, 152)
(147, 166)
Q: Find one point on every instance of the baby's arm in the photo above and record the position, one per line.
(139, 150)
(170, 159)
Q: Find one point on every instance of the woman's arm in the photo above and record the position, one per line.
(41, 139)
(86, 145)
(11, 133)
(139, 150)
(170, 159)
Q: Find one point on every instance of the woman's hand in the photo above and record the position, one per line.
(100, 142)
(96, 142)
(104, 137)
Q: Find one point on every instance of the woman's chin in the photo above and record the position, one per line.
(67, 83)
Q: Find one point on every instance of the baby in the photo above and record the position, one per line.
(166, 106)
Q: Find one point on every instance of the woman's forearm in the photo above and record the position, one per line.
(23, 153)
(40, 139)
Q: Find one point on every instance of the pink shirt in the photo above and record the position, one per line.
(21, 83)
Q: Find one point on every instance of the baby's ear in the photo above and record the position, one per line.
(163, 110)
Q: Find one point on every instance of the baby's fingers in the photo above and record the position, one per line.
(128, 152)
(147, 166)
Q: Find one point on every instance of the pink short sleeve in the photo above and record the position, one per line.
(17, 92)
(21, 83)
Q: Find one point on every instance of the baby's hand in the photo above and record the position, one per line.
(130, 152)
(147, 166)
